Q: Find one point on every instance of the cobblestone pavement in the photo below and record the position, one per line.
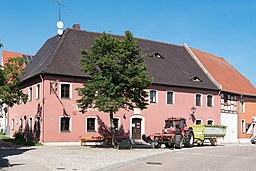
(70, 157)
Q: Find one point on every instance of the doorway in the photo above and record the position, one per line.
(136, 128)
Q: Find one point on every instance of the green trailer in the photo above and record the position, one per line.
(208, 132)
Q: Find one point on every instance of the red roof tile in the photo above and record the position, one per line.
(225, 74)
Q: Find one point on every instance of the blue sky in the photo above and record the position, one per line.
(226, 28)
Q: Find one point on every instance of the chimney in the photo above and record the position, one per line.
(76, 26)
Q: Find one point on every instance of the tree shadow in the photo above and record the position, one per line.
(8, 149)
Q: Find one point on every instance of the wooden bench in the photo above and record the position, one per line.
(86, 139)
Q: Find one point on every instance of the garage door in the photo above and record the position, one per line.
(230, 120)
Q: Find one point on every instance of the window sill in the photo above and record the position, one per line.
(65, 131)
(91, 131)
(63, 98)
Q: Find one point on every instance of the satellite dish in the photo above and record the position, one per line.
(60, 25)
(60, 32)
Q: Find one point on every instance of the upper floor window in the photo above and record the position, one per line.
(91, 124)
(209, 101)
(65, 124)
(65, 91)
(198, 122)
(30, 94)
(38, 91)
(152, 96)
(169, 97)
(198, 100)
(243, 105)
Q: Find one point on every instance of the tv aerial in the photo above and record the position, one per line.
(60, 24)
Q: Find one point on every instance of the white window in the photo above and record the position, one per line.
(153, 96)
(91, 124)
(198, 100)
(21, 125)
(243, 129)
(169, 97)
(198, 122)
(65, 90)
(30, 124)
(30, 94)
(65, 124)
(12, 124)
(38, 91)
(116, 122)
(210, 122)
(209, 101)
(243, 105)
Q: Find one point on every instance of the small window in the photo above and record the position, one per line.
(198, 100)
(30, 94)
(38, 91)
(169, 97)
(243, 105)
(65, 124)
(12, 124)
(209, 101)
(116, 124)
(21, 125)
(198, 122)
(209, 122)
(243, 128)
(65, 91)
(91, 124)
(30, 124)
(152, 95)
(37, 124)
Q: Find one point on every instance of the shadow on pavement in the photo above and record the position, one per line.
(9, 149)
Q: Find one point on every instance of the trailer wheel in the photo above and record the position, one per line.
(178, 142)
(189, 138)
(213, 142)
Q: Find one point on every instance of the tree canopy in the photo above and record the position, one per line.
(118, 76)
(10, 92)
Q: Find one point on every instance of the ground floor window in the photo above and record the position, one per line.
(209, 122)
(65, 124)
(116, 124)
(91, 124)
(198, 122)
(243, 128)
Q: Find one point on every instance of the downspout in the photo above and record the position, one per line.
(238, 118)
(43, 124)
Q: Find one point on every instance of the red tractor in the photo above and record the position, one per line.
(175, 134)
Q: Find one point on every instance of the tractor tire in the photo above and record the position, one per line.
(178, 141)
(157, 144)
(189, 138)
(169, 144)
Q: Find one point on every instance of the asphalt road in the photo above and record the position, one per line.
(225, 157)
(221, 158)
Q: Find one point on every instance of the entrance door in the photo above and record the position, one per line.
(136, 128)
(230, 120)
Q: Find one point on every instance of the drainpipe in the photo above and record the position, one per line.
(238, 118)
(43, 126)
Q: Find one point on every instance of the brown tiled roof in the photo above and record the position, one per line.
(225, 74)
(61, 56)
(6, 55)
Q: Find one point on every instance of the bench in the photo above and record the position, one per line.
(94, 139)
(121, 141)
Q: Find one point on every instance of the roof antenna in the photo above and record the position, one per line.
(60, 24)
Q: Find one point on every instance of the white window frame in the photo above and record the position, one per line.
(243, 126)
(30, 93)
(201, 99)
(13, 123)
(70, 124)
(21, 124)
(96, 123)
(199, 120)
(207, 100)
(38, 87)
(70, 90)
(210, 120)
(30, 124)
(119, 122)
(242, 106)
(173, 97)
(156, 101)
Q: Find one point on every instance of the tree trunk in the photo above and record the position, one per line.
(112, 128)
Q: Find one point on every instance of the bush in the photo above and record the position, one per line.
(19, 136)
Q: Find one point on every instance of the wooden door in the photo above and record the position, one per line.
(136, 128)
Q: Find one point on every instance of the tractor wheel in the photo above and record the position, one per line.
(189, 138)
(178, 142)
(157, 145)
(169, 144)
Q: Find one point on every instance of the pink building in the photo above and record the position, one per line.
(51, 114)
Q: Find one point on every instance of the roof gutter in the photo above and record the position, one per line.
(201, 66)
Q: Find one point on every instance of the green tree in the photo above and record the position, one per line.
(118, 76)
(10, 92)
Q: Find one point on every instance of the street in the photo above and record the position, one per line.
(222, 157)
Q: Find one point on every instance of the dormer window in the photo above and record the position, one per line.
(196, 79)
(156, 55)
